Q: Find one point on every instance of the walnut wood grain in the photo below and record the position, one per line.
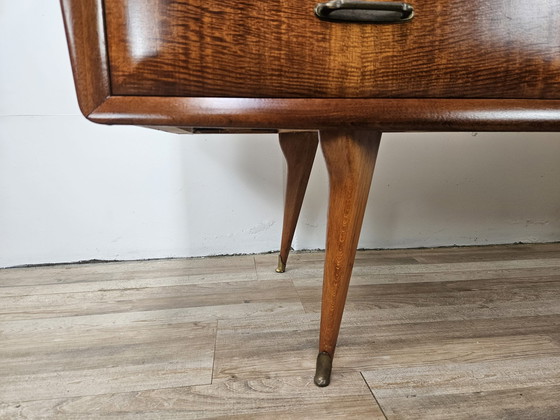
(246, 48)
(299, 149)
(350, 158)
(83, 20)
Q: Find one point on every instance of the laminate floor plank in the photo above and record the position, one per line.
(294, 397)
(524, 403)
(408, 273)
(494, 389)
(192, 270)
(153, 280)
(488, 253)
(74, 324)
(368, 269)
(110, 358)
(146, 299)
(364, 296)
(468, 312)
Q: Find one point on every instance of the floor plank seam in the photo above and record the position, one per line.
(374, 397)
(299, 297)
(214, 353)
(255, 267)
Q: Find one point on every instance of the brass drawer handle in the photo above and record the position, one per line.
(365, 11)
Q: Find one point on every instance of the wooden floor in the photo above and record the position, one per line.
(427, 334)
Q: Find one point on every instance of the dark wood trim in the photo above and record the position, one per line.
(83, 20)
(311, 114)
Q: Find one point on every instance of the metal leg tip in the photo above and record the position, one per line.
(281, 265)
(323, 371)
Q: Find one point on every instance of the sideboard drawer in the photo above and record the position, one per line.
(265, 48)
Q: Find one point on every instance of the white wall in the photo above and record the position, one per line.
(71, 190)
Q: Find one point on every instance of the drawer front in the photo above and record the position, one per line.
(280, 49)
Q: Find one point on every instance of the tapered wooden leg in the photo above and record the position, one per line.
(350, 157)
(299, 149)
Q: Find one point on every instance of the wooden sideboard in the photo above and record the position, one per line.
(317, 72)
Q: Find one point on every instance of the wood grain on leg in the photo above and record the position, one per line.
(350, 158)
(299, 149)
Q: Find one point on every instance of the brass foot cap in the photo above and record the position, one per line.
(323, 371)
(281, 265)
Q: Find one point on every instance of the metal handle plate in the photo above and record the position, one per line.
(364, 11)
